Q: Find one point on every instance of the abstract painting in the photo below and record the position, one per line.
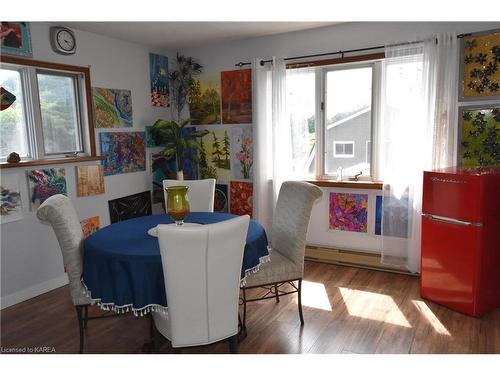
(44, 183)
(113, 108)
(129, 207)
(158, 70)
(378, 215)
(89, 180)
(480, 59)
(124, 152)
(221, 202)
(479, 143)
(10, 197)
(241, 198)
(215, 155)
(161, 169)
(90, 225)
(348, 212)
(149, 138)
(242, 154)
(204, 100)
(15, 39)
(236, 94)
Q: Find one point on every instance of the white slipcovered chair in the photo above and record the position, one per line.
(201, 193)
(288, 241)
(202, 268)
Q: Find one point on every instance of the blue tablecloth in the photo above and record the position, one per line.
(122, 268)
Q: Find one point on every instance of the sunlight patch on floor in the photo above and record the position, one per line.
(314, 295)
(431, 317)
(374, 306)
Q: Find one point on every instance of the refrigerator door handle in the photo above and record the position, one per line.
(449, 220)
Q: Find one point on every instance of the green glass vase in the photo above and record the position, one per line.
(177, 203)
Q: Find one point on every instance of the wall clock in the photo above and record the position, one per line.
(62, 40)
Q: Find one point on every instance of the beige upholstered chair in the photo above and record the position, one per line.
(202, 267)
(201, 193)
(288, 240)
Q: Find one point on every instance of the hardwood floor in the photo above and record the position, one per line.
(347, 310)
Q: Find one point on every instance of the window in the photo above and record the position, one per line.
(50, 118)
(343, 149)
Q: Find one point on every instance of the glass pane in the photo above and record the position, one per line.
(59, 113)
(13, 136)
(300, 109)
(348, 119)
(339, 148)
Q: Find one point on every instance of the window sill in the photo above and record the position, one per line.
(374, 185)
(30, 163)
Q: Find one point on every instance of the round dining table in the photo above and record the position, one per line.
(122, 268)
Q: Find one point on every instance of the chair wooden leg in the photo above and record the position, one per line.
(276, 293)
(300, 303)
(233, 344)
(79, 313)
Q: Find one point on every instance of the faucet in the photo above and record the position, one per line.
(356, 176)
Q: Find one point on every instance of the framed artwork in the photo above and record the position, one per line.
(242, 153)
(89, 180)
(378, 215)
(44, 183)
(215, 155)
(236, 96)
(90, 225)
(113, 108)
(479, 136)
(480, 66)
(204, 100)
(129, 207)
(125, 152)
(221, 200)
(16, 39)
(11, 208)
(348, 212)
(161, 169)
(149, 138)
(241, 198)
(158, 70)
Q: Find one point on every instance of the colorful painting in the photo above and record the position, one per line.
(125, 152)
(242, 154)
(90, 225)
(6, 98)
(480, 60)
(479, 143)
(89, 180)
(149, 138)
(113, 108)
(241, 198)
(215, 155)
(221, 202)
(378, 215)
(44, 183)
(158, 70)
(236, 95)
(204, 100)
(348, 212)
(10, 197)
(15, 39)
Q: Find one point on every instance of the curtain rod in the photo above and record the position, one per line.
(263, 62)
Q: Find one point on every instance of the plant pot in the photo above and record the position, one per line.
(180, 175)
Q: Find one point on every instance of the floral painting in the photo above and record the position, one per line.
(124, 152)
(241, 198)
(221, 201)
(44, 183)
(480, 136)
(348, 212)
(480, 65)
(10, 197)
(15, 39)
(90, 180)
(90, 225)
(242, 153)
(158, 70)
(204, 100)
(113, 108)
(215, 155)
(236, 95)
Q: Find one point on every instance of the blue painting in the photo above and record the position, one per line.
(15, 39)
(158, 69)
(149, 138)
(124, 152)
(378, 215)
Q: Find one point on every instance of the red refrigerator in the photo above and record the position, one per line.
(460, 265)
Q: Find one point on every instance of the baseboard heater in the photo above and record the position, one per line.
(353, 258)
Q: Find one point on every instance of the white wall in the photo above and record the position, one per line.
(31, 262)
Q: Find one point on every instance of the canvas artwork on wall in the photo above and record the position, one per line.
(11, 208)
(241, 198)
(161, 169)
(215, 155)
(44, 183)
(204, 100)
(90, 225)
(378, 215)
(242, 153)
(221, 201)
(479, 133)
(15, 39)
(158, 70)
(149, 138)
(480, 59)
(125, 152)
(348, 212)
(113, 108)
(129, 207)
(236, 95)
(89, 180)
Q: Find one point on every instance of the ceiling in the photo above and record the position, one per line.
(176, 35)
